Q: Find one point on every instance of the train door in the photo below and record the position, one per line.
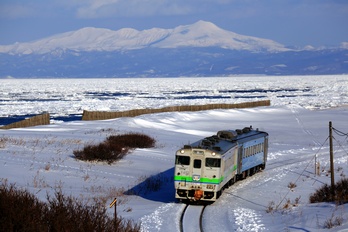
(239, 159)
(235, 160)
(265, 151)
(197, 169)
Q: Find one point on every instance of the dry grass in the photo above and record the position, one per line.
(292, 185)
(3, 142)
(22, 211)
(338, 193)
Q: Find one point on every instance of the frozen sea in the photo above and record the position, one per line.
(65, 99)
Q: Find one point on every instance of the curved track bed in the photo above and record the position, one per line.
(191, 218)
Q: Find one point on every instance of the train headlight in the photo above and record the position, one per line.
(213, 153)
(210, 186)
(182, 151)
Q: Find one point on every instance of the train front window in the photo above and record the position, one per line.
(212, 162)
(183, 160)
(197, 163)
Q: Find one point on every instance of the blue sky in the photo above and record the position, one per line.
(290, 22)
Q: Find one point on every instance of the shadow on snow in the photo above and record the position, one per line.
(159, 187)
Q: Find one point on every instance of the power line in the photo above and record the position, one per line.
(340, 145)
(340, 133)
(303, 170)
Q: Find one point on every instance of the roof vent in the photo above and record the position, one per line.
(227, 134)
(206, 143)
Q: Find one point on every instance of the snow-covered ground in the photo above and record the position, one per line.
(41, 158)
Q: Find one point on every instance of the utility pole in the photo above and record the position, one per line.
(316, 166)
(331, 159)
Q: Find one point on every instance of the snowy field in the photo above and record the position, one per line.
(41, 159)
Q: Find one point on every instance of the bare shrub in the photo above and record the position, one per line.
(22, 211)
(338, 193)
(101, 152)
(39, 181)
(292, 185)
(86, 177)
(287, 204)
(3, 142)
(297, 201)
(270, 208)
(132, 140)
(333, 221)
(114, 148)
(47, 167)
(107, 193)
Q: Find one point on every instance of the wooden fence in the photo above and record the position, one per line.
(102, 115)
(42, 119)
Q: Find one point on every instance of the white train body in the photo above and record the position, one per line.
(204, 168)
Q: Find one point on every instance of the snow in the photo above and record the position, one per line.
(41, 159)
(62, 97)
(191, 218)
(199, 34)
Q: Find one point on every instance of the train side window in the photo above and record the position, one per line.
(197, 163)
(213, 162)
(183, 160)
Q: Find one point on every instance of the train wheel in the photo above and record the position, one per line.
(218, 194)
(253, 171)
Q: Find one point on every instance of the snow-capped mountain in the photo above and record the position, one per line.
(199, 34)
(199, 49)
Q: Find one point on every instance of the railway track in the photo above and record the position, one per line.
(191, 218)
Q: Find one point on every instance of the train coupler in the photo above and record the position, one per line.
(198, 194)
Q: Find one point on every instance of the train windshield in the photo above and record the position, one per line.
(183, 160)
(212, 162)
(197, 163)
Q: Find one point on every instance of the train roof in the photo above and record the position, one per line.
(224, 140)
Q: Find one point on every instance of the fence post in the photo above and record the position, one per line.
(115, 213)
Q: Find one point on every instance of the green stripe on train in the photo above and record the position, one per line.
(201, 180)
(204, 180)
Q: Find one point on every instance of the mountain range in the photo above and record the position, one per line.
(199, 49)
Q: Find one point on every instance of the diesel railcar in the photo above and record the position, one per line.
(204, 168)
